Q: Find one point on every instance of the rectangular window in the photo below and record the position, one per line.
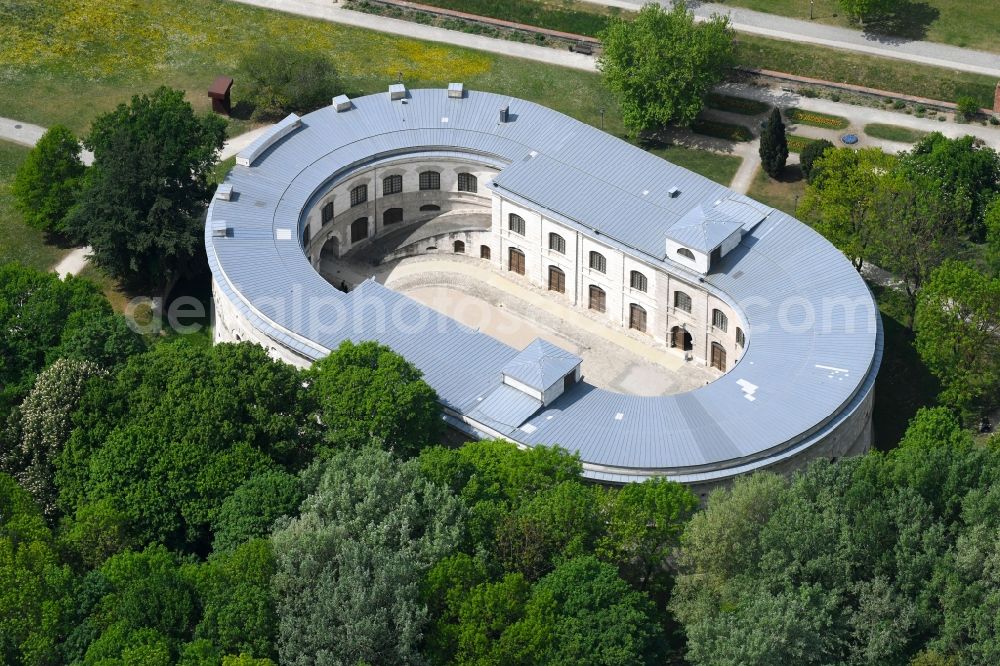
(467, 182)
(598, 262)
(392, 185)
(682, 301)
(557, 243)
(359, 195)
(430, 180)
(516, 224)
(327, 213)
(719, 320)
(638, 281)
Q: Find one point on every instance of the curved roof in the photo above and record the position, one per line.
(814, 336)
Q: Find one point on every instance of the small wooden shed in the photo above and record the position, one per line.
(219, 93)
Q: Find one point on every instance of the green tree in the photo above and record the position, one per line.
(141, 202)
(221, 414)
(773, 145)
(351, 566)
(958, 334)
(841, 198)
(48, 181)
(661, 64)
(41, 426)
(368, 394)
(276, 80)
(95, 532)
(991, 219)
(254, 507)
(34, 587)
(34, 310)
(807, 158)
(102, 337)
(870, 10)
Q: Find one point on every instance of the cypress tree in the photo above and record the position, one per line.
(773, 145)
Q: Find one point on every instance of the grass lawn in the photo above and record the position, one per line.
(18, 242)
(720, 168)
(782, 194)
(579, 18)
(967, 23)
(816, 119)
(894, 133)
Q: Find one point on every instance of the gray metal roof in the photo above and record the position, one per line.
(797, 378)
(703, 228)
(541, 364)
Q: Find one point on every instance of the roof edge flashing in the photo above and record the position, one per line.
(249, 155)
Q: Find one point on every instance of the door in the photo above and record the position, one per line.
(718, 357)
(557, 280)
(516, 262)
(484, 252)
(680, 339)
(597, 300)
(637, 317)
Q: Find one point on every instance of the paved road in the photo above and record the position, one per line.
(326, 9)
(798, 30)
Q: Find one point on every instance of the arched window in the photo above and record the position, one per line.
(718, 357)
(515, 223)
(740, 338)
(598, 262)
(429, 208)
(359, 229)
(467, 182)
(719, 320)
(430, 180)
(484, 252)
(392, 185)
(638, 281)
(557, 243)
(637, 317)
(459, 247)
(359, 195)
(327, 212)
(682, 301)
(557, 280)
(392, 216)
(686, 253)
(597, 300)
(515, 261)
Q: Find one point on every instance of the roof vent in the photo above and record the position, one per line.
(456, 90)
(673, 192)
(342, 103)
(225, 192)
(505, 114)
(220, 229)
(397, 91)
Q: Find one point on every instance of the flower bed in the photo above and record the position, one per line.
(796, 143)
(816, 119)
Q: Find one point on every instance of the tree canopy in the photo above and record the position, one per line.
(48, 181)
(276, 80)
(773, 145)
(141, 202)
(661, 64)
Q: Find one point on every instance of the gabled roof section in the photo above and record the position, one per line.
(540, 365)
(705, 227)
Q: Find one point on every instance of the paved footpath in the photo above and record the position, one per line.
(27, 134)
(799, 30)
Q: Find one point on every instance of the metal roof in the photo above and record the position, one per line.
(541, 364)
(813, 332)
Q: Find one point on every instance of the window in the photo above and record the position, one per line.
(682, 301)
(467, 182)
(305, 236)
(719, 320)
(686, 253)
(557, 243)
(740, 338)
(515, 261)
(637, 317)
(359, 229)
(484, 252)
(430, 180)
(557, 280)
(598, 262)
(392, 185)
(718, 357)
(515, 223)
(327, 212)
(429, 208)
(597, 299)
(459, 247)
(392, 216)
(359, 195)
(638, 281)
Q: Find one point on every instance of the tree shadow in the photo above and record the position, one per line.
(792, 173)
(908, 23)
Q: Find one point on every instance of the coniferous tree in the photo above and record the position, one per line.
(773, 145)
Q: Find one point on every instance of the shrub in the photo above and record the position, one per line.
(810, 154)
(808, 92)
(967, 106)
(898, 104)
(834, 97)
(994, 120)
(48, 181)
(277, 81)
(719, 130)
